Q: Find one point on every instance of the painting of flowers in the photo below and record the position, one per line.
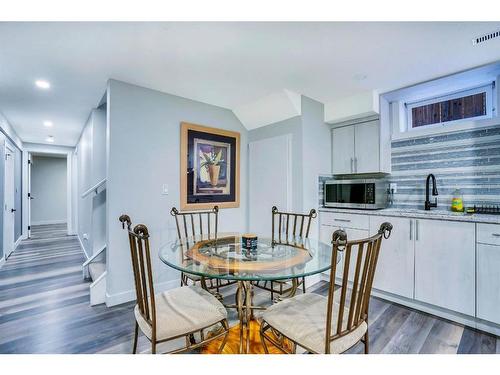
(213, 174)
(209, 167)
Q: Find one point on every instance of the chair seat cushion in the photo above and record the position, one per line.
(182, 310)
(303, 319)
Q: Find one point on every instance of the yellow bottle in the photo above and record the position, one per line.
(457, 202)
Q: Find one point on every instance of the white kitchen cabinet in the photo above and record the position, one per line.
(326, 232)
(488, 282)
(395, 267)
(366, 147)
(356, 148)
(445, 264)
(343, 150)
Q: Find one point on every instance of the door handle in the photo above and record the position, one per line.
(343, 220)
(13, 210)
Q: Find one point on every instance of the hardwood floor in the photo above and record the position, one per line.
(44, 308)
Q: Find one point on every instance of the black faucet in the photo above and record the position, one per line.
(428, 204)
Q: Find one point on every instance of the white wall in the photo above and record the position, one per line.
(293, 128)
(48, 187)
(91, 165)
(84, 182)
(316, 153)
(143, 154)
(357, 106)
(311, 152)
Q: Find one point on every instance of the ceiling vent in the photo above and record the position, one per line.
(485, 37)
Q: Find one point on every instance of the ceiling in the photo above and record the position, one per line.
(225, 64)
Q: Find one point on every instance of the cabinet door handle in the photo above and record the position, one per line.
(355, 164)
(352, 163)
(411, 229)
(343, 220)
(416, 230)
(495, 234)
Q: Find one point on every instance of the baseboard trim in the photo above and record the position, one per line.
(48, 222)
(16, 244)
(466, 320)
(129, 295)
(87, 257)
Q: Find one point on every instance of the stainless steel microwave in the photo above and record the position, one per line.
(368, 194)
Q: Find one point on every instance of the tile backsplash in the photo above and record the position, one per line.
(468, 160)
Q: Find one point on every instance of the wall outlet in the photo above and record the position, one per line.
(393, 187)
(164, 189)
(85, 236)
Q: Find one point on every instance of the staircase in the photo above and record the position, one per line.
(95, 270)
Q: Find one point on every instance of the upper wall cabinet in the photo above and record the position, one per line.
(356, 148)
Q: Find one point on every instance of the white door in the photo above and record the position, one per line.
(445, 264)
(395, 267)
(270, 177)
(488, 282)
(366, 145)
(343, 150)
(8, 213)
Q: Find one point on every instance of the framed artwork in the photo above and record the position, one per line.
(210, 167)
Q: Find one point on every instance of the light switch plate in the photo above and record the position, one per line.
(164, 189)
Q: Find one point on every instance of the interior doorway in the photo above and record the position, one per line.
(47, 191)
(9, 202)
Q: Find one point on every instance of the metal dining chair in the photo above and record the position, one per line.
(176, 313)
(285, 227)
(198, 223)
(335, 323)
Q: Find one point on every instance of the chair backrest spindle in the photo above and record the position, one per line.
(189, 228)
(287, 228)
(142, 268)
(351, 308)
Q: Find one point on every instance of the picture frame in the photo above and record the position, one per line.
(209, 167)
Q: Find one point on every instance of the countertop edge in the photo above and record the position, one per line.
(431, 215)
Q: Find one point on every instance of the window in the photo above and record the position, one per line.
(472, 104)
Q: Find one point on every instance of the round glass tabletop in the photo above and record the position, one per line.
(226, 257)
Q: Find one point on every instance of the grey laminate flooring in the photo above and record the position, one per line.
(44, 308)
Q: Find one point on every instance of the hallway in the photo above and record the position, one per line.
(44, 301)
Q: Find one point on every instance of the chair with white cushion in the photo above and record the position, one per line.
(335, 323)
(193, 224)
(287, 226)
(181, 312)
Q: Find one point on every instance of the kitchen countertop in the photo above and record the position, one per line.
(421, 214)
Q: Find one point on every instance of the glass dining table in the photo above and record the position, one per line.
(225, 257)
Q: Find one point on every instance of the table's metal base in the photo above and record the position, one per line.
(244, 306)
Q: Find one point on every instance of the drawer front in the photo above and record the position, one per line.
(345, 220)
(488, 234)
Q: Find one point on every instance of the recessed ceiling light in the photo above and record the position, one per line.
(48, 123)
(40, 83)
(50, 139)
